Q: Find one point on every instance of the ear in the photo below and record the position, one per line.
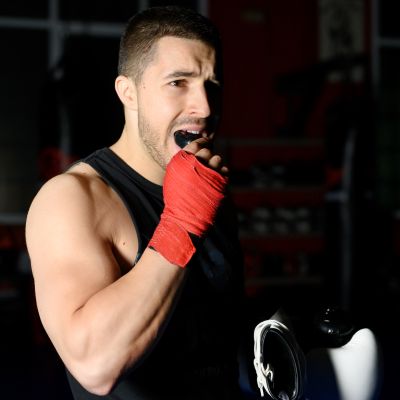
(126, 91)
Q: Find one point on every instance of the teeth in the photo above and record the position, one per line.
(194, 132)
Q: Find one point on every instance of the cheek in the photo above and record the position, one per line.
(161, 108)
(167, 113)
(169, 104)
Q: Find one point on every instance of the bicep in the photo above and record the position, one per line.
(70, 260)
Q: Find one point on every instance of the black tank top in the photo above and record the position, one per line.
(195, 355)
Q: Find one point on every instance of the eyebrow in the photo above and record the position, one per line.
(187, 74)
(178, 74)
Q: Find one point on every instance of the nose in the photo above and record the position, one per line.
(199, 102)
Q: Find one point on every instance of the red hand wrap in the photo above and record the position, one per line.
(192, 195)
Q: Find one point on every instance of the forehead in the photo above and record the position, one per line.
(172, 53)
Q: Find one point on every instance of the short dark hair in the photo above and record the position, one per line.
(145, 28)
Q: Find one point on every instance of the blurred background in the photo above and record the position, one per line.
(310, 130)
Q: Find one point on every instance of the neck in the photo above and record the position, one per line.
(130, 149)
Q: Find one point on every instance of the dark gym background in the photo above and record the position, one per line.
(310, 130)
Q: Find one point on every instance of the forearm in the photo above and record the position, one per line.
(116, 326)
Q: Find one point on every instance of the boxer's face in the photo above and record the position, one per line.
(175, 93)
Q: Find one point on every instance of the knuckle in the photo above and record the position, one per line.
(204, 153)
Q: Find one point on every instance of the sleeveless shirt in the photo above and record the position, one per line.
(195, 355)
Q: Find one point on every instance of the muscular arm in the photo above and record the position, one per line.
(99, 321)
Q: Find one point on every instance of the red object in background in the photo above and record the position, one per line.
(262, 40)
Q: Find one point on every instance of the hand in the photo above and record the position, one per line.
(200, 148)
(192, 193)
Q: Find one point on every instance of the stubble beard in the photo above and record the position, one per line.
(151, 141)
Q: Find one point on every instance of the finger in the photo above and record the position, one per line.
(215, 161)
(204, 155)
(217, 164)
(196, 145)
(224, 170)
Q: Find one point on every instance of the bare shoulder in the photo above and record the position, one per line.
(81, 180)
(79, 193)
(68, 223)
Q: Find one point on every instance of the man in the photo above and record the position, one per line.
(134, 250)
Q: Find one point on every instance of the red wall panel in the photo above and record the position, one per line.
(262, 40)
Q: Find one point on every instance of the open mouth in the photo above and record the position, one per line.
(183, 138)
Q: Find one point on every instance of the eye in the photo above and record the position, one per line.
(178, 83)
